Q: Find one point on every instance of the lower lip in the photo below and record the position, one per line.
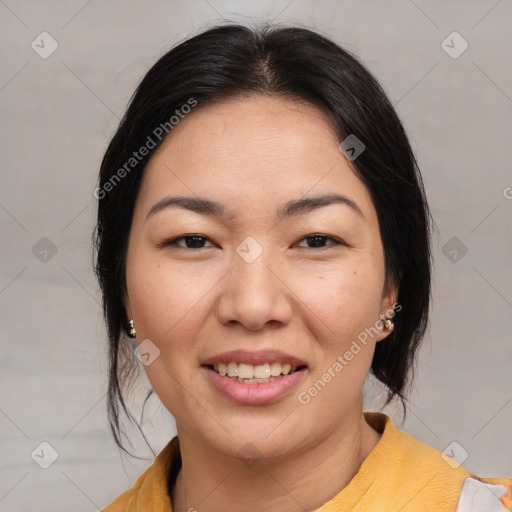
(254, 393)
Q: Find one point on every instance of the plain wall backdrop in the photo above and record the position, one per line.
(61, 104)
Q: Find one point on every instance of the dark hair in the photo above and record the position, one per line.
(293, 63)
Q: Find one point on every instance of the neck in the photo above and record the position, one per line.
(209, 481)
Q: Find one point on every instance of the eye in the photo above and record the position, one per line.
(318, 241)
(191, 242)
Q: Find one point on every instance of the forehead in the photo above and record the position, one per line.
(249, 150)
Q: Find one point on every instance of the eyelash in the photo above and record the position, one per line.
(175, 241)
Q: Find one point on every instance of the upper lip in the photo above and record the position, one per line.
(255, 358)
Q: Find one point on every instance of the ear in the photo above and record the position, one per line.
(387, 309)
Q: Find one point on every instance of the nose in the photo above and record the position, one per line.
(254, 295)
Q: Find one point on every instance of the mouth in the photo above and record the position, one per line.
(255, 377)
(259, 384)
(254, 374)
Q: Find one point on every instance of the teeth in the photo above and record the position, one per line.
(245, 371)
(256, 381)
(232, 370)
(262, 371)
(250, 373)
(275, 369)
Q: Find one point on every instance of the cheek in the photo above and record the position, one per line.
(167, 298)
(344, 306)
(170, 308)
(344, 300)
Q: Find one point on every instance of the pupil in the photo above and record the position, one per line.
(194, 241)
(318, 240)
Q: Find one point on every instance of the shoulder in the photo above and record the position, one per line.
(150, 490)
(426, 478)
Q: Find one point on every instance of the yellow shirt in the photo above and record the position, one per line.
(400, 474)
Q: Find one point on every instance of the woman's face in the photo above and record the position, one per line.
(256, 280)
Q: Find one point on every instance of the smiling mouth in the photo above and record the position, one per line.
(254, 374)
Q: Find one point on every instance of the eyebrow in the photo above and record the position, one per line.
(294, 207)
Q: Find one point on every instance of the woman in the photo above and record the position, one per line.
(263, 235)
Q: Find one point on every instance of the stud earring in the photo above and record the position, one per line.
(388, 324)
(133, 332)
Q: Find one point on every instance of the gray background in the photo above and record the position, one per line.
(57, 116)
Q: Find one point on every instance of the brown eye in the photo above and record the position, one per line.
(317, 241)
(191, 242)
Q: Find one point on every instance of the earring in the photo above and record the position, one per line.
(133, 332)
(388, 324)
